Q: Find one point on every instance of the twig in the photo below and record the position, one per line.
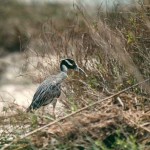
(69, 115)
(138, 126)
(120, 101)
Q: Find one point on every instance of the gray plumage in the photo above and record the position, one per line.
(50, 89)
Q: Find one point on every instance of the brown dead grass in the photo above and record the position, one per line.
(114, 56)
(101, 124)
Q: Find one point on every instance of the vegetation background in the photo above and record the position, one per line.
(111, 45)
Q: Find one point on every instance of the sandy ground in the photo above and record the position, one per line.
(17, 91)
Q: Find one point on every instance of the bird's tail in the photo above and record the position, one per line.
(29, 109)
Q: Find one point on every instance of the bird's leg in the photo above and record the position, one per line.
(40, 116)
(54, 104)
(43, 109)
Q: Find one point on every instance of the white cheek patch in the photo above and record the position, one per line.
(69, 63)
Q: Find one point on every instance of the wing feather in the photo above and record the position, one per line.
(45, 94)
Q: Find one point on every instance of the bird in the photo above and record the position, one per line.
(50, 89)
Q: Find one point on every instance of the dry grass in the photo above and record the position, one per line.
(113, 49)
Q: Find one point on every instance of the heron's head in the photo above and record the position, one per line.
(66, 64)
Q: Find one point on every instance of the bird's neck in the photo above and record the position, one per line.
(62, 75)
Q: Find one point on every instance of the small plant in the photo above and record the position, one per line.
(127, 144)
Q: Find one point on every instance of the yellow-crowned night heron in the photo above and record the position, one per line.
(50, 89)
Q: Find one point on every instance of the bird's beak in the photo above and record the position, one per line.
(81, 71)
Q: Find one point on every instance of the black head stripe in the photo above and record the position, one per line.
(69, 63)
